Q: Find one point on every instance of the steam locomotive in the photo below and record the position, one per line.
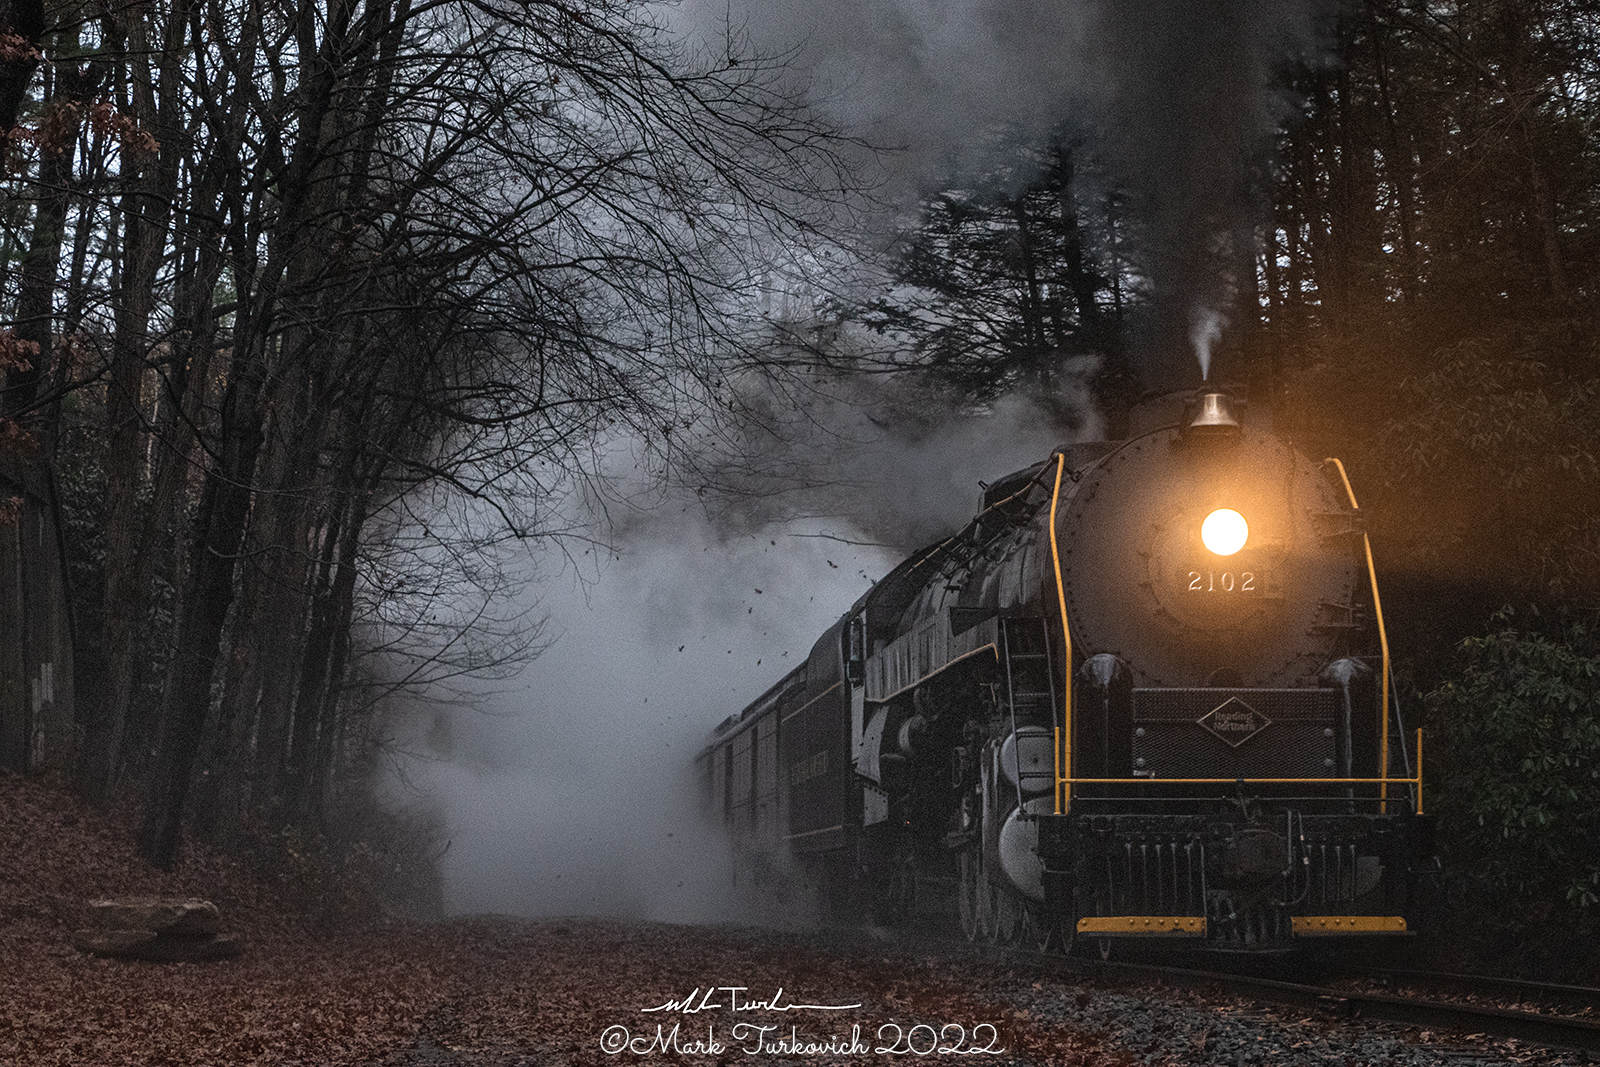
(1143, 693)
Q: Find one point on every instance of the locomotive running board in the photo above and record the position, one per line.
(1337, 925)
(1143, 926)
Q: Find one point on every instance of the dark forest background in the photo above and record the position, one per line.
(311, 310)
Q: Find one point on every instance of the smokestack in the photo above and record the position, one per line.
(1212, 417)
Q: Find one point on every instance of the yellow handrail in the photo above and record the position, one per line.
(1245, 781)
(1063, 738)
(1383, 637)
(1416, 780)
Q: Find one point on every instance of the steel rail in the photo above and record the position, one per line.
(1490, 985)
(1549, 1031)
(1564, 1032)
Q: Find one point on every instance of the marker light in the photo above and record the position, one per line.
(1224, 531)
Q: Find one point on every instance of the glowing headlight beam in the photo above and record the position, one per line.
(1224, 531)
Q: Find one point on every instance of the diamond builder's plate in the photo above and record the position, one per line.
(1234, 721)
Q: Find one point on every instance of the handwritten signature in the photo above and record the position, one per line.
(706, 999)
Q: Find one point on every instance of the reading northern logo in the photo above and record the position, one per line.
(1234, 721)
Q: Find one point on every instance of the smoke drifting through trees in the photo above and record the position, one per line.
(1175, 101)
(1187, 126)
(329, 275)
(897, 464)
(571, 790)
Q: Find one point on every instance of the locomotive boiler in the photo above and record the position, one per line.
(1143, 693)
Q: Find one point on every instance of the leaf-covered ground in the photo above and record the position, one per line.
(472, 991)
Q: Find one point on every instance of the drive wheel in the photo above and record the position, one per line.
(1045, 932)
(1008, 913)
(968, 903)
(895, 891)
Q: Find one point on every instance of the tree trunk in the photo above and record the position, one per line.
(323, 664)
(207, 593)
(225, 504)
(143, 242)
(25, 21)
(37, 284)
(1080, 279)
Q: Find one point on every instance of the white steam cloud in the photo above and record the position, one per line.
(572, 792)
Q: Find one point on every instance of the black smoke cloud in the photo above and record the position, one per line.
(1175, 98)
(1189, 105)
(899, 463)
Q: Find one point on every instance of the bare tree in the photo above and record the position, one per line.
(332, 261)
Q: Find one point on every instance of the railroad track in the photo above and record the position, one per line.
(1573, 1000)
(1546, 1029)
(1410, 997)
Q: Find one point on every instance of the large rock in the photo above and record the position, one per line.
(158, 948)
(170, 918)
(162, 930)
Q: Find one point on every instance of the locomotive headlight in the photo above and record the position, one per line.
(1224, 531)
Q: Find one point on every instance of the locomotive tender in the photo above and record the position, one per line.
(1144, 692)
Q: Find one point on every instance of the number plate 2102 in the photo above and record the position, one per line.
(1215, 581)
